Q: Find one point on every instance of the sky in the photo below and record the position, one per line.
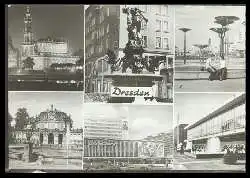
(200, 19)
(36, 102)
(144, 120)
(192, 107)
(62, 20)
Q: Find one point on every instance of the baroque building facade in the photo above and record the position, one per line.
(46, 51)
(51, 127)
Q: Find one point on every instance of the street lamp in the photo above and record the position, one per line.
(185, 30)
(224, 21)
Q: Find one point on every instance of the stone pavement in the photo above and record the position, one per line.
(183, 162)
(229, 85)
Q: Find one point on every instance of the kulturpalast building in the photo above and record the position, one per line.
(106, 28)
(224, 127)
(46, 51)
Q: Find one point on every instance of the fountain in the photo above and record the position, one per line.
(133, 75)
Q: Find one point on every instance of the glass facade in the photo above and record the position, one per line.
(227, 121)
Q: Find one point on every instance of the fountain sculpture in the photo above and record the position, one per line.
(142, 69)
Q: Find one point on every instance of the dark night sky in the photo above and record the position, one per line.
(61, 20)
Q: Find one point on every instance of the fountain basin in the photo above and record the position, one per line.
(133, 80)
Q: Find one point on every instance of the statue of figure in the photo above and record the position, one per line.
(134, 22)
(133, 50)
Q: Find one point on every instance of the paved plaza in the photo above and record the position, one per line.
(183, 162)
(229, 85)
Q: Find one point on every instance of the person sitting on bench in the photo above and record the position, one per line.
(223, 69)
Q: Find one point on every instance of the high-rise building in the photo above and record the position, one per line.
(180, 134)
(108, 128)
(106, 28)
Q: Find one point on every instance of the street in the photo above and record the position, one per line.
(184, 162)
(229, 85)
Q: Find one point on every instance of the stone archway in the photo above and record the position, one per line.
(51, 138)
(41, 138)
(60, 139)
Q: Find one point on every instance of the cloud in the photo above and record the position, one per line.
(143, 127)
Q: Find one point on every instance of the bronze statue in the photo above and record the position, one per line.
(133, 50)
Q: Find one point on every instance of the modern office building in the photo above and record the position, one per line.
(103, 127)
(180, 134)
(226, 126)
(106, 28)
(45, 51)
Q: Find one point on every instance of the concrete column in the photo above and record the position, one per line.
(116, 149)
(213, 145)
(133, 143)
(91, 151)
(128, 149)
(124, 148)
(120, 148)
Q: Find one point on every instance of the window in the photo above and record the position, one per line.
(144, 42)
(165, 43)
(101, 17)
(165, 26)
(144, 25)
(143, 8)
(107, 28)
(107, 43)
(158, 42)
(102, 31)
(158, 25)
(158, 9)
(108, 11)
(164, 10)
(115, 44)
(93, 22)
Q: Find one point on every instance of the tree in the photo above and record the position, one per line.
(224, 21)
(10, 129)
(22, 118)
(28, 63)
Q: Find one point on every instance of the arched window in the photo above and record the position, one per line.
(51, 138)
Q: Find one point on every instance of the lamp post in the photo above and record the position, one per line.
(224, 21)
(185, 30)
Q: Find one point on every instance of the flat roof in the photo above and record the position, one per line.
(226, 107)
